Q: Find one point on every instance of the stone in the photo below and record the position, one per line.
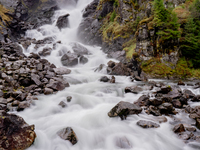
(83, 60)
(68, 134)
(142, 101)
(36, 79)
(69, 59)
(198, 123)
(120, 69)
(154, 111)
(174, 93)
(147, 124)
(164, 89)
(63, 21)
(112, 80)
(155, 101)
(45, 52)
(23, 105)
(111, 64)
(165, 108)
(179, 128)
(133, 89)
(123, 143)
(196, 98)
(15, 132)
(176, 103)
(188, 93)
(122, 109)
(181, 82)
(62, 104)
(56, 85)
(48, 91)
(79, 49)
(104, 79)
(69, 98)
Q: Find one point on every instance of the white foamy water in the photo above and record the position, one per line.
(91, 101)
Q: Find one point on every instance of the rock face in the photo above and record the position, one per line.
(123, 109)
(68, 134)
(63, 21)
(15, 133)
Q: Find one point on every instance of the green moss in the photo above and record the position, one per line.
(129, 47)
(113, 15)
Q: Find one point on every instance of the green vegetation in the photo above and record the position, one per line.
(190, 41)
(3, 15)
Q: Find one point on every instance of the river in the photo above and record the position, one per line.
(91, 101)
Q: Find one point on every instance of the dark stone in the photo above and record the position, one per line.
(176, 103)
(179, 128)
(56, 85)
(165, 108)
(147, 124)
(68, 134)
(122, 109)
(48, 91)
(34, 55)
(198, 123)
(181, 83)
(183, 100)
(155, 101)
(62, 104)
(63, 21)
(69, 98)
(83, 60)
(15, 132)
(104, 79)
(112, 80)
(36, 79)
(133, 89)
(45, 52)
(69, 59)
(154, 111)
(142, 101)
(23, 105)
(174, 93)
(119, 55)
(196, 98)
(120, 69)
(111, 64)
(165, 89)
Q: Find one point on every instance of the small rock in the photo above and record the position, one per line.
(165, 108)
(147, 124)
(68, 134)
(133, 89)
(142, 101)
(104, 79)
(155, 101)
(188, 93)
(165, 89)
(62, 104)
(179, 128)
(181, 83)
(23, 105)
(196, 98)
(83, 60)
(48, 91)
(176, 103)
(198, 123)
(112, 80)
(69, 98)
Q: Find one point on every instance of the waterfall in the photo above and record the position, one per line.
(91, 101)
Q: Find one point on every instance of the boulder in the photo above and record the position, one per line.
(104, 79)
(122, 109)
(56, 85)
(147, 124)
(176, 103)
(16, 134)
(83, 60)
(165, 108)
(188, 93)
(69, 59)
(62, 71)
(154, 111)
(133, 89)
(63, 21)
(174, 93)
(120, 69)
(164, 89)
(68, 134)
(45, 52)
(156, 101)
(79, 49)
(142, 101)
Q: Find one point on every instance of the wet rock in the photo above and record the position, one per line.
(198, 123)
(123, 143)
(183, 100)
(68, 134)
(119, 55)
(62, 71)
(176, 103)
(155, 101)
(100, 68)
(142, 101)
(165, 108)
(111, 64)
(56, 85)
(165, 89)
(15, 133)
(185, 135)
(147, 124)
(161, 119)
(179, 128)
(23, 105)
(48, 91)
(112, 80)
(69, 59)
(79, 49)
(104, 79)
(69, 98)
(188, 93)
(174, 93)
(63, 21)
(189, 128)
(120, 69)
(36, 79)
(181, 83)
(45, 52)
(196, 98)
(122, 109)
(83, 60)
(62, 104)
(154, 111)
(133, 89)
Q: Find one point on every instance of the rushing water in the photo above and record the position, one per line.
(91, 101)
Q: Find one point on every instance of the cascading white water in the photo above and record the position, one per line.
(91, 101)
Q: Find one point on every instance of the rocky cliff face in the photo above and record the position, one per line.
(125, 25)
(19, 15)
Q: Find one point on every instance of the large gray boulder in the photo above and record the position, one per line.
(69, 59)
(63, 21)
